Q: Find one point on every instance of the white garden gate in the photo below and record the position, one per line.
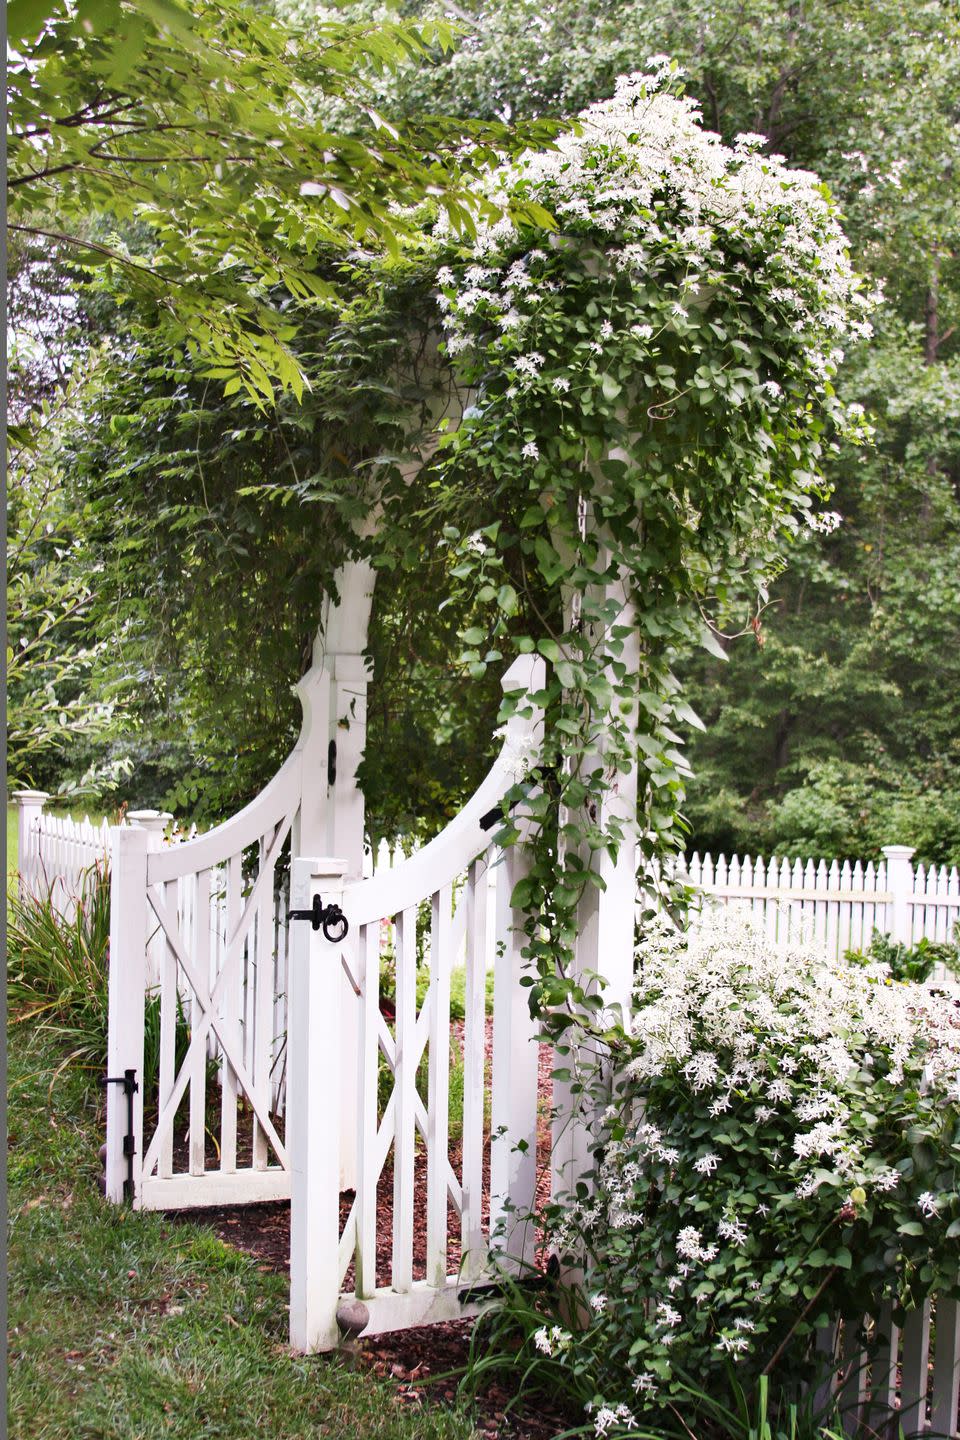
(437, 902)
(194, 944)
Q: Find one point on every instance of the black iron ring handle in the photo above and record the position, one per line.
(331, 918)
(335, 924)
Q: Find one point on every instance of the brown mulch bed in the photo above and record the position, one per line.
(412, 1359)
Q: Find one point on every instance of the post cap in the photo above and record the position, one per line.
(150, 819)
(899, 852)
(29, 797)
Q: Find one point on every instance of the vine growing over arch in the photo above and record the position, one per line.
(650, 398)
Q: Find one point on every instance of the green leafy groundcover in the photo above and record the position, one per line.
(781, 1147)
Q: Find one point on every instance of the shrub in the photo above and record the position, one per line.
(57, 967)
(908, 962)
(781, 1146)
(57, 978)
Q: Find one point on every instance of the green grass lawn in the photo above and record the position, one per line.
(125, 1326)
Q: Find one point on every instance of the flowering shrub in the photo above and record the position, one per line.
(783, 1147)
(650, 395)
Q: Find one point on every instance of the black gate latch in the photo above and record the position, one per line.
(335, 924)
(130, 1087)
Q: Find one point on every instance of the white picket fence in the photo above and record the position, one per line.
(55, 852)
(836, 905)
(887, 1380)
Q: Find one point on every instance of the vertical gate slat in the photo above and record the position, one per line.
(913, 1384)
(169, 1005)
(438, 1096)
(403, 1145)
(368, 1052)
(474, 1057)
(198, 1073)
(946, 1369)
(230, 1019)
(513, 1109)
(262, 948)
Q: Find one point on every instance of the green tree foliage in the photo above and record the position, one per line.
(840, 734)
(60, 693)
(208, 128)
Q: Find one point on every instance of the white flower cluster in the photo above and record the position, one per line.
(643, 174)
(739, 1015)
(552, 1341)
(611, 1417)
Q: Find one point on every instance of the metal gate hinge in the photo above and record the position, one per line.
(330, 917)
(130, 1087)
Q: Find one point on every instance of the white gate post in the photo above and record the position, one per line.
(127, 985)
(900, 885)
(29, 805)
(604, 946)
(313, 1111)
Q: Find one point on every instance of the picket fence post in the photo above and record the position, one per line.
(313, 1111)
(29, 805)
(900, 884)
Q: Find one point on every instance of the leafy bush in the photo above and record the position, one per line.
(782, 1147)
(57, 967)
(57, 978)
(908, 962)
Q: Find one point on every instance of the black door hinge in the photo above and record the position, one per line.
(130, 1087)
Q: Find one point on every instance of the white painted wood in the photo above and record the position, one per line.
(913, 1383)
(405, 1075)
(229, 988)
(199, 1031)
(367, 1150)
(422, 1304)
(314, 1114)
(438, 1001)
(262, 937)
(169, 1003)
(883, 1371)
(513, 1108)
(946, 1370)
(473, 1242)
(189, 1192)
(899, 919)
(126, 981)
(198, 1075)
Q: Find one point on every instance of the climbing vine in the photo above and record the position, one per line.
(650, 398)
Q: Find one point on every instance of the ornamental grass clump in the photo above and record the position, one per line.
(781, 1147)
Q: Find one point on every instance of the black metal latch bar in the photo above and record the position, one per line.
(330, 917)
(130, 1087)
